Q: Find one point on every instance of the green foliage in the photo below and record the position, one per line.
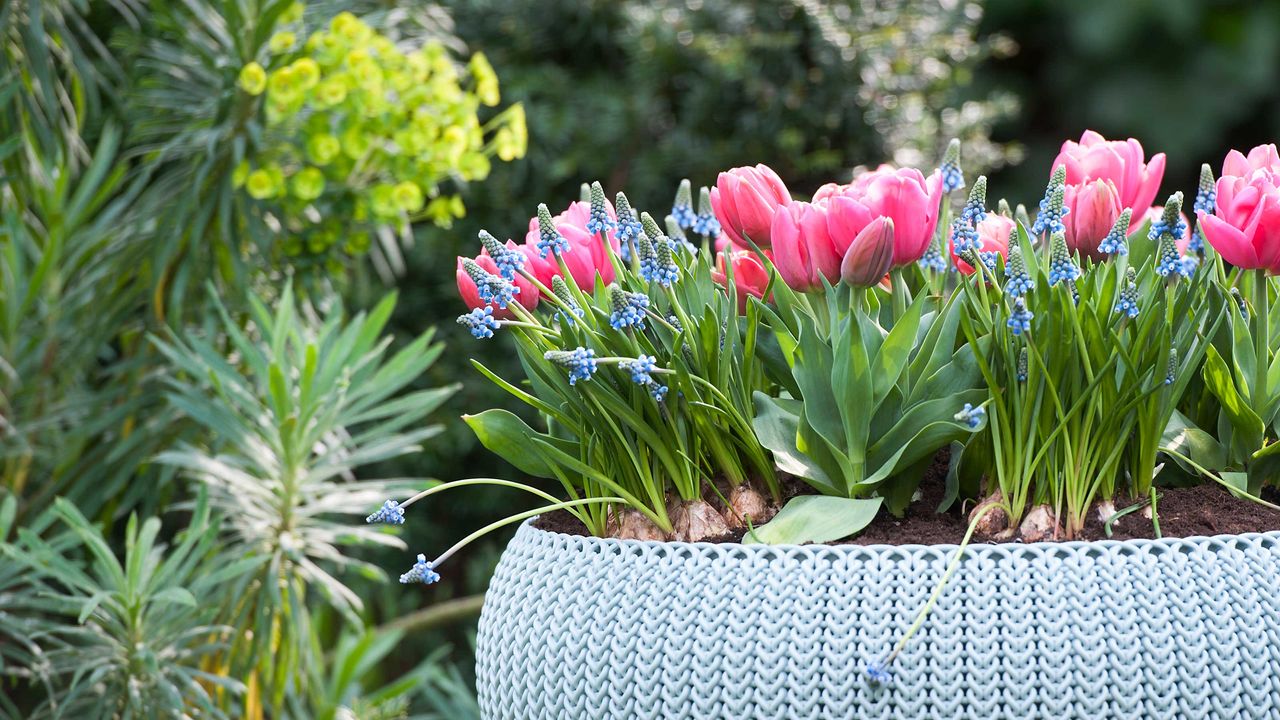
(122, 638)
(291, 411)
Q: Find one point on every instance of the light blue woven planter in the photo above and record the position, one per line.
(583, 628)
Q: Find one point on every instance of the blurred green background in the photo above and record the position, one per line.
(636, 94)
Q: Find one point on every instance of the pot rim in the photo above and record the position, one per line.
(975, 547)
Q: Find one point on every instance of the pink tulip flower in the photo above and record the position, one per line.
(528, 296)
(802, 247)
(904, 195)
(586, 255)
(750, 278)
(1245, 225)
(1127, 181)
(994, 232)
(745, 199)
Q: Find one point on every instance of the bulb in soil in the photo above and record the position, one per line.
(696, 521)
(1106, 509)
(1039, 524)
(635, 525)
(746, 503)
(993, 521)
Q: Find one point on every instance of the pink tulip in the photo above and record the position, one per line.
(869, 255)
(1262, 157)
(994, 232)
(1094, 206)
(1245, 225)
(750, 278)
(745, 200)
(1134, 183)
(904, 195)
(802, 247)
(528, 296)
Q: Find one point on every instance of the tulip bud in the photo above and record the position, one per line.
(870, 255)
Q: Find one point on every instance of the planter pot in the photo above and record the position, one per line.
(577, 627)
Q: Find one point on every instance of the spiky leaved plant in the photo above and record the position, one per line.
(293, 406)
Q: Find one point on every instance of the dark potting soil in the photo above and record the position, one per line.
(1205, 509)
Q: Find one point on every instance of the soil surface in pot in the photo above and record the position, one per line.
(1205, 509)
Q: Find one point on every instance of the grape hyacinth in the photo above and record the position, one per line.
(975, 209)
(389, 514)
(480, 322)
(1170, 222)
(933, 259)
(628, 308)
(550, 241)
(706, 223)
(629, 227)
(663, 269)
(1020, 317)
(420, 572)
(1117, 240)
(580, 362)
(491, 288)
(561, 290)
(952, 175)
(641, 369)
(1206, 202)
(1052, 210)
(1240, 304)
(682, 208)
(1170, 263)
(879, 673)
(971, 416)
(1171, 369)
(1061, 267)
(1022, 365)
(675, 234)
(1017, 281)
(964, 237)
(1128, 303)
(509, 260)
(599, 221)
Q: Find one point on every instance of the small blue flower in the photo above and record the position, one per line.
(975, 209)
(1128, 303)
(952, 175)
(1061, 267)
(600, 221)
(1159, 227)
(640, 368)
(660, 265)
(933, 259)
(1020, 318)
(1117, 241)
(1171, 370)
(491, 288)
(1052, 210)
(706, 223)
(658, 391)
(1171, 264)
(550, 241)
(389, 514)
(682, 208)
(580, 362)
(878, 673)
(509, 260)
(1022, 365)
(420, 572)
(1196, 244)
(1017, 281)
(989, 258)
(480, 322)
(971, 416)
(964, 237)
(629, 226)
(628, 308)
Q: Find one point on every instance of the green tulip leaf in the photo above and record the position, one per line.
(506, 435)
(815, 519)
(777, 425)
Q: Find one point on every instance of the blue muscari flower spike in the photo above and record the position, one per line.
(1061, 267)
(879, 673)
(656, 262)
(641, 369)
(706, 223)
(952, 175)
(1206, 202)
(389, 514)
(580, 362)
(480, 322)
(600, 221)
(629, 226)
(1170, 222)
(975, 210)
(1128, 303)
(1022, 365)
(508, 260)
(1170, 263)
(989, 258)
(1189, 265)
(964, 237)
(675, 233)
(682, 209)
(628, 308)
(933, 259)
(1240, 304)
(1117, 240)
(561, 291)
(420, 572)
(971, 416)
(1171, 369)
(1020, 318)
(1052, 210)
(550, 241)
(1017, 281)
(491, 288)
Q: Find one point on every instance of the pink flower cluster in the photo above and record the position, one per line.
(585, 259)
(1104, 177)
(1245, 225)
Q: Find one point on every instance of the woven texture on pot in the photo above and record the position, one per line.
(576, 627)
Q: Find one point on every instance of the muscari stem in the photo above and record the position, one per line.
(477, 481)
(517, 518)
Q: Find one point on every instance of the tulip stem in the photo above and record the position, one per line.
(1261, 343)
(900, 294)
